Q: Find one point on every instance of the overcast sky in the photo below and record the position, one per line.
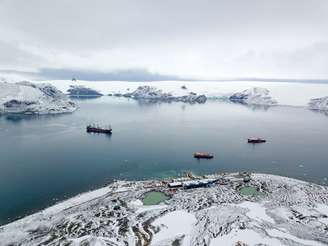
(191, 39)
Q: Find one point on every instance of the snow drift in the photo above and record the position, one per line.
(28, 98)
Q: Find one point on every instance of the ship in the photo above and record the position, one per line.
(201, 155)
(256, 140)
(98, 129)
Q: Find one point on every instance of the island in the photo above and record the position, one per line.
(82, 91)
(152, 94)
(253, 96)
(29, 98)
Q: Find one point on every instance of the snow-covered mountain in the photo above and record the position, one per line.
(253, 96)
(28, 98)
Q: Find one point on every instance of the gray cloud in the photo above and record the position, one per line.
(67, 74)
(199, 39)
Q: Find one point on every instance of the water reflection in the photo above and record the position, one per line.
(323, 112)
(82, 98)
(17, 118)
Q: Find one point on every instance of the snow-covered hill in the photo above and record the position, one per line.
(283, 212)
(29, 98)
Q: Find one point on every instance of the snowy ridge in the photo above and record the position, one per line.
(28, 98)
(291, 212)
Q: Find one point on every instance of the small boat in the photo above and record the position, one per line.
(97, 129)
(201, 155)
(256, 140)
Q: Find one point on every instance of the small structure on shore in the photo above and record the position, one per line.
(97, 129)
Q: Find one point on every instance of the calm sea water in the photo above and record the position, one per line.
(49, 158)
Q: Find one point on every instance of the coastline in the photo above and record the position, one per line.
(286, 93)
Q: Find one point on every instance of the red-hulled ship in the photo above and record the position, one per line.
(201, 155)
(256, 140)
(97, 129)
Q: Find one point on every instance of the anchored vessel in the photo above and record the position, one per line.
(97, 129)
(256, 140)
(201, 155)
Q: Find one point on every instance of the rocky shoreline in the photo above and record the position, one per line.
(288, 212)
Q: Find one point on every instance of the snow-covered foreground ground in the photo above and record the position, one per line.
(293, 94)
(288, 212)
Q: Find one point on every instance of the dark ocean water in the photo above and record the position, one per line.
(49, 158)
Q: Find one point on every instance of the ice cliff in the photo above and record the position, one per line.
(253, 96)
(28, 98)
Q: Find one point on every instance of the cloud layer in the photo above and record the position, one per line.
(194, 39)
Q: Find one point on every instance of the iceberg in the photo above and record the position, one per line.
(82, 91)
(320, 104)
(153, 94)
(28, 98)
(253, 96)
